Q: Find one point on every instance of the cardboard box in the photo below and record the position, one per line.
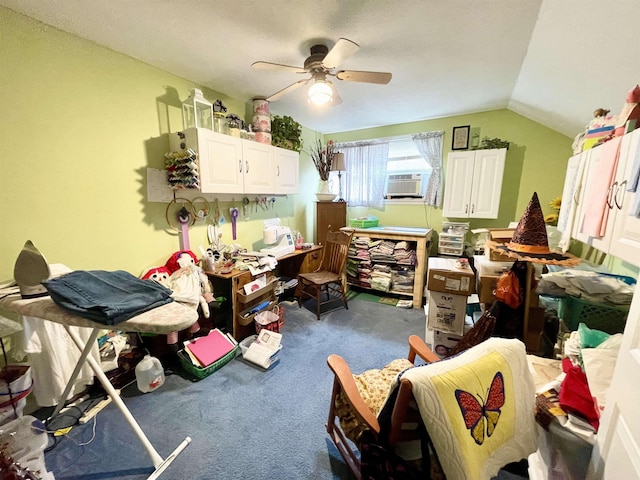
(447, 312)
(443, 276)
(496, 255)
(501, 235)
(488, 284)
(486, 266)
(441, 342)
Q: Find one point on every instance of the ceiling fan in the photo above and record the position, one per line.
(321, 64)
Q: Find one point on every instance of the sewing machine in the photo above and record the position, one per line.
(278, 236)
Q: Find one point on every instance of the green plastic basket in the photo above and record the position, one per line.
(199, 372)
(599, 316)
(363, 222)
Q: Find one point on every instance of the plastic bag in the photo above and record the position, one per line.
(508, 289)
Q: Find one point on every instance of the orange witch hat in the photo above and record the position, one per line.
(529, 241)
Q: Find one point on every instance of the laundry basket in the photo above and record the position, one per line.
(599, 316)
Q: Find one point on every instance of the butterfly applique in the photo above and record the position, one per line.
(475, 413)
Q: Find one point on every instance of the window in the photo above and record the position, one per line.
(407, 171)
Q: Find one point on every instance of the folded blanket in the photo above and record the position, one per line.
(478, 408)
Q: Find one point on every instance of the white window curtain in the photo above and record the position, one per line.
(366, 164)
(429, 144)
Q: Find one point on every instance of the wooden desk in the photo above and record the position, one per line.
(421, 237)
(231, 285)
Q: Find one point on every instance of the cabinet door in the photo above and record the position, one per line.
(458, 182)
(572, 185)
(625, 237)
(286, 170)
(219, 159)
(488, 170)
(332, 214)
(578, 195)
(598, 194)
(259, 175)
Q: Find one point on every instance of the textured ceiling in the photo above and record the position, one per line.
(551, 61)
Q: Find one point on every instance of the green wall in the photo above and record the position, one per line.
(80, 124)
(534, 152)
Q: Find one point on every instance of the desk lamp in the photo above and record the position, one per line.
(338, 165)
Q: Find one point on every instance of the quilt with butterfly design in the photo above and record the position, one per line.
(478, 408)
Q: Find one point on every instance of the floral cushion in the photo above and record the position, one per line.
(373, 386)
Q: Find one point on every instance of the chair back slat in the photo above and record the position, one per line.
(336, 249)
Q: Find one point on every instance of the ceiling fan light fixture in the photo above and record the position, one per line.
(320, 93)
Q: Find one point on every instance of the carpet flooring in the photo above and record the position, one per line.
(244, 422)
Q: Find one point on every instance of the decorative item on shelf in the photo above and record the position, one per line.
(234, 123)
(286, 133)
(322, 158)
(197, 111)
(262, 123)
(475, 141)
(220, 123)
(338, 165)
(489, 143)
(260, 106)
(460, 137)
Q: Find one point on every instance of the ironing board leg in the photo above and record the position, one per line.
(83, 355)
(158, 462)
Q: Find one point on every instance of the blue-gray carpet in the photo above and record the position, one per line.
(245, 422)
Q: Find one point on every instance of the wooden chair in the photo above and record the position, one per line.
(388, 426)
(403, 411)
(328, 277)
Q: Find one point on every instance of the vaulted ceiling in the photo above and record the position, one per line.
(552, 61)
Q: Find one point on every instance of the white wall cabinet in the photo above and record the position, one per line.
(286, 170)
(473, 183)
(624, 233)
(232, 165)
(621, 233)
(572, 196)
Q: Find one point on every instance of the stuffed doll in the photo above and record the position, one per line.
(158, 274)
(189, 281)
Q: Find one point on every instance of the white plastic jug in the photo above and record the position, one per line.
(149, 374)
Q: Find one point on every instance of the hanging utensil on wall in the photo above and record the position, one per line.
(234, 212)
(180, 219)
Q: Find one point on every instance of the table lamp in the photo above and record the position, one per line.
(337, 165)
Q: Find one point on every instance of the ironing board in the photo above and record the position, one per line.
(167, 318)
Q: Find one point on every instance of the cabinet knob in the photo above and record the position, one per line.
(466, 208)
(240, 166)
(246, 164)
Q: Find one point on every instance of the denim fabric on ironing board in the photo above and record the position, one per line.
(106, 297)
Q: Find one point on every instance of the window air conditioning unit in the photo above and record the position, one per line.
(404, 185)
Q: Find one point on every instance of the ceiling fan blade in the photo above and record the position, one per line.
(288, 89)
(368, 77)
(342, 49)
(276, 66)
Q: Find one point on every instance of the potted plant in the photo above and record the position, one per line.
(286, 133)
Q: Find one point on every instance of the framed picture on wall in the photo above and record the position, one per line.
(460, 139)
